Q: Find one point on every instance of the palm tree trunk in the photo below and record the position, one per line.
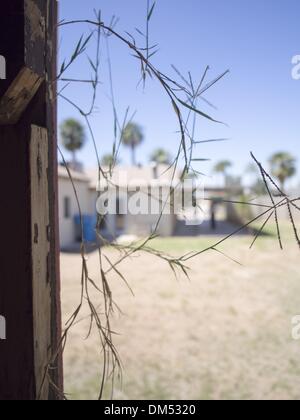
(74, 158)
(133, 157)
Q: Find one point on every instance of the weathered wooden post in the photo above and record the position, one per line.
(29, 259)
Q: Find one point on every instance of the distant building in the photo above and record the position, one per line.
(114, 225)
(68, 207)
(159, 183)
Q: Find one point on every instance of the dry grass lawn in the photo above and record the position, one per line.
(225, 334)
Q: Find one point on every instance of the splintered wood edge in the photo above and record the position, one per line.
(18, 96)
(40, 220)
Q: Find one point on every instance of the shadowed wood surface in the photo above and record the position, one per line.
(23, 38)
(29, 287)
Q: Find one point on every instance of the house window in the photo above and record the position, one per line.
(67, 207)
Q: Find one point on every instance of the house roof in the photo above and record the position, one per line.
(76, 175)
(125, 176)
(129, 176)
(134, 177)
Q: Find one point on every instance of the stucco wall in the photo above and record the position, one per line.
(66, 225)
(143, 225)
(139, 224)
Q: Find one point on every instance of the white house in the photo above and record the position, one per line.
(68, 207)
(127, 181)
(138, 195)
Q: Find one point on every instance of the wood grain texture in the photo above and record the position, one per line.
(40, 247)
(18, 96)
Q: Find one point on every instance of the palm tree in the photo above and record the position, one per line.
(109, 160)
(73, 136)
(132, 137)
(222, 167)
(161, 156)
(252, 169)
(257, 186)
(283, 166)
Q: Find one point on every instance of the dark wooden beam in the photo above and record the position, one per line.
(23, 27)
(29, 267)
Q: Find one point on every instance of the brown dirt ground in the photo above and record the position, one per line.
(225, 334)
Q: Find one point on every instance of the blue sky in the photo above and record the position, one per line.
(259, 99)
